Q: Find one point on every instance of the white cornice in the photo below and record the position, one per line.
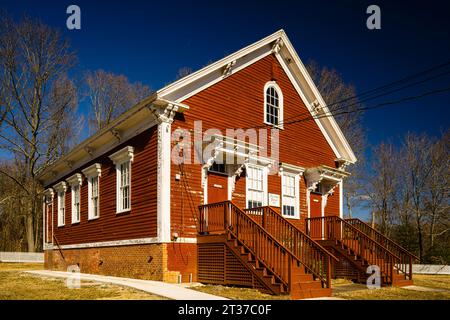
(291, 168)
(93, 170)
(49, 192)
(60, 187)
(74, 180)
(125, 154)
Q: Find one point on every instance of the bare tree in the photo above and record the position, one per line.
(381, 186)
(333, 90)
(110, 95)
(40, 102)
(417, 153)
(436, 197)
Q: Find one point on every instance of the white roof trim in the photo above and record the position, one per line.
(213, 73)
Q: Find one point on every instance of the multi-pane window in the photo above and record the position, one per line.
(289, 195)
(93, 174)
(255, 187)
(272, 106)
(124, 186)
(75, 203)
(123, 159)
(94, 212)
(61, 208)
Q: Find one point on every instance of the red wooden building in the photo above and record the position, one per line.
(262, 212)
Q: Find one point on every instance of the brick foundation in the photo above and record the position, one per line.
(146, 261)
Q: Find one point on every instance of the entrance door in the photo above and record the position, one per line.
(217, 187)
(315, 211)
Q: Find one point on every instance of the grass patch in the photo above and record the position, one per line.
(9, 266)
(237, 293)
(392, 293)
(432, 281)
(346, 289)
(17, 285)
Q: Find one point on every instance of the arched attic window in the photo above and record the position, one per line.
(273, 104)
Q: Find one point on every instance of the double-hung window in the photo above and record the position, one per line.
(93, 174)
(61, 209)
(60, 189)
(124, 186)
(75, 182)
(123, 160)
(94, 197)
(290, 195)
(76, 204)
(256, 186)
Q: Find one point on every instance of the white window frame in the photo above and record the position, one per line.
(61, 189)
(248, 188)
(273, 84)
(75, 183)
(285, 197)
(93, 172)
(119, 158)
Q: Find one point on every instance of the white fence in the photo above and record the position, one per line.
(430, 269)
(37, 257)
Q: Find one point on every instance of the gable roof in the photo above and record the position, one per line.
(279, 44)
(174, 94)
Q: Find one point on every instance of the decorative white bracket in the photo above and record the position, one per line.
(277, 46)
(116, 134)
(228, 69)
(210, 162)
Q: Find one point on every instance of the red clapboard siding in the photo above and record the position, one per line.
(140, 222)
(238, 102)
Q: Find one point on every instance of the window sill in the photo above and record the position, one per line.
(75, 222)
(291, 217)
(123, 212)
(93, 218)
(61, 225)
(281, 127)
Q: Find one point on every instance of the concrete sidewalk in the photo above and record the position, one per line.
(171, 291)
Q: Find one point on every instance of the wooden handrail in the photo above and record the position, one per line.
(310, 253)
(225, 217)
(406, 257)
(337, 229)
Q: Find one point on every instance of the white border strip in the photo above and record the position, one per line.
(116, 243)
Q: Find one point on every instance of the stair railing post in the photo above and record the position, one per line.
(410, 268)
(328, 271)
(263, 218)
(290, 273)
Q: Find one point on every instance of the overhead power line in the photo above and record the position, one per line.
(373, 93)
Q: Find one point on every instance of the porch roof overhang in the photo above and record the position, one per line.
(329, 177)
(232, 151)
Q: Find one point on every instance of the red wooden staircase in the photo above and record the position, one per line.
(358, 246)
(301, 269)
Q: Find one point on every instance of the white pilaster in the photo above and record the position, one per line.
(341, 199)
(163, 193)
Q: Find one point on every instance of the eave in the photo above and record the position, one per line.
(134, 121)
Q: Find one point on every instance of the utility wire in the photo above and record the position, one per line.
(383, 104)
(387, 86)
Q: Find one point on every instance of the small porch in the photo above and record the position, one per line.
(260, 248)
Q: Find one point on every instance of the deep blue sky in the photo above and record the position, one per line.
(149, 41)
